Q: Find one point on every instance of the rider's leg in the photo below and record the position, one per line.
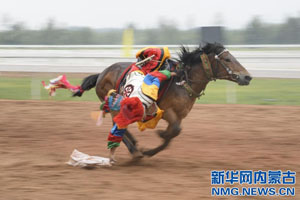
(114, 138)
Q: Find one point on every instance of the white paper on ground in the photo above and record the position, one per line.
(84, 160)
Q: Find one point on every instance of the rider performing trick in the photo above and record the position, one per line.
(137, 99)
(137, 102)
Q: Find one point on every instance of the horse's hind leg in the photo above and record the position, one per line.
(172, 131)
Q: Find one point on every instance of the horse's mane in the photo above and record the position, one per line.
(190, 58)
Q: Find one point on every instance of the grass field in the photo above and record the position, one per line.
(260, 91)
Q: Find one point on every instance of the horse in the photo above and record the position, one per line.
(198, 67)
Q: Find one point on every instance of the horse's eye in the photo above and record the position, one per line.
(227, 60)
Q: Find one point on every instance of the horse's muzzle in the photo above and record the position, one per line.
(243, 79)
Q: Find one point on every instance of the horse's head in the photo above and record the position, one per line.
(225, 66)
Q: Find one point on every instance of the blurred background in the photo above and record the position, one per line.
(40, 40)
(159, 22)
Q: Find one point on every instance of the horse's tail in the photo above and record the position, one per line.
(87, 84)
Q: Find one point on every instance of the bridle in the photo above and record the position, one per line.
(230, 73)
(210, 72)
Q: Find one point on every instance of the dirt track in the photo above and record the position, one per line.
(37, 138)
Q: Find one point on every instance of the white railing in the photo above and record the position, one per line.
(261, 60)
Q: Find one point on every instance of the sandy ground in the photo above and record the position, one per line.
(37, 138)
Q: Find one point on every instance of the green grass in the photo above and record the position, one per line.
(260, 91)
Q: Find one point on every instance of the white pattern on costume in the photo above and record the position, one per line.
(133, 88)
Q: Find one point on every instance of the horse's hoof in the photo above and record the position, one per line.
(137, 155)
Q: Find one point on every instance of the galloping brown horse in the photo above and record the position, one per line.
(182, 92)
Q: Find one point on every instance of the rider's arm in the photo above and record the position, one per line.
(162, 75)
(152, 82)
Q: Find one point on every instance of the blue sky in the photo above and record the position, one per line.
(144, 14)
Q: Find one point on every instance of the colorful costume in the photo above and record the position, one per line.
(140, 93)
(135, 104)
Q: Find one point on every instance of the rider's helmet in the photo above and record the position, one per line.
(161, 56)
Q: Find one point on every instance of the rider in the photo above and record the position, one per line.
(139, 94)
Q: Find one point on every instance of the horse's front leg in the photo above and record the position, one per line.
(130, 142)
(172, 131)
